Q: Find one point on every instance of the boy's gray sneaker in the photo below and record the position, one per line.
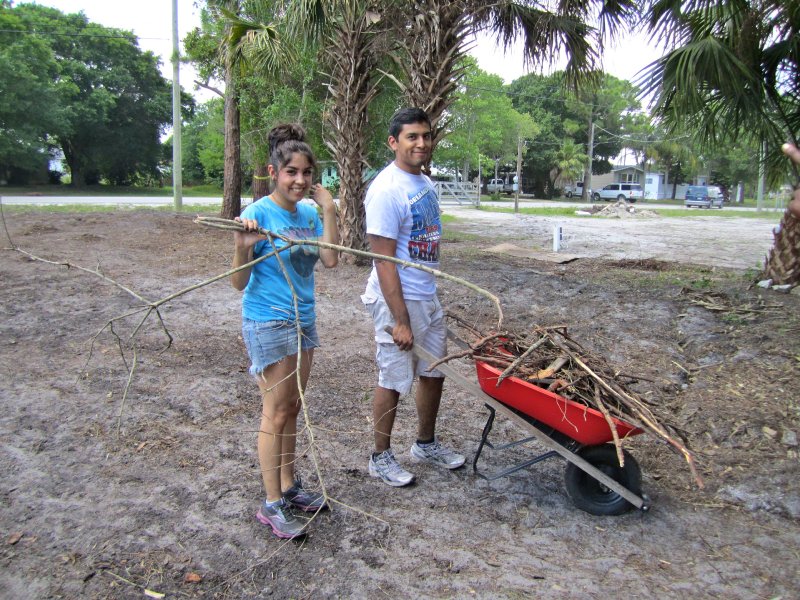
(303, 499)
(284, 524)
(386, 467)
(437, 454)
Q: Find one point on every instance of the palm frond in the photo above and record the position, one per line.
(308, 19)
(254, 44)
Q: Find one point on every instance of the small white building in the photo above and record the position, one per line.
(652, 186)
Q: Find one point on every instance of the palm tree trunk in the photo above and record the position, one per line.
(352, 216)
(232, 166)
(783, 261)
(352, 56)
(430, 53)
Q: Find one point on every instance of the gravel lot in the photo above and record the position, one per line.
(705, 239)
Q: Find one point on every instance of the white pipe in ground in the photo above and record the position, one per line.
(557, 237)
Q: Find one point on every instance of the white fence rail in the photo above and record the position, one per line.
(451, 192)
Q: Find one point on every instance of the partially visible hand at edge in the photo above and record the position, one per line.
(794, 153)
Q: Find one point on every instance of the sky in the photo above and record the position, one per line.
(151, 22)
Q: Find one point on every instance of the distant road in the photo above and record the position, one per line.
(168, 201)
(105, 200)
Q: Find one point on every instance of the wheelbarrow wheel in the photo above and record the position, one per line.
(592, 496)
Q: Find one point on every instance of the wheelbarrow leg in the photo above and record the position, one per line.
(484, 437)
(485, 442)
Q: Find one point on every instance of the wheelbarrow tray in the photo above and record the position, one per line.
(582, 423)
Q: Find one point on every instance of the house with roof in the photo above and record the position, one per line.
(654, 183)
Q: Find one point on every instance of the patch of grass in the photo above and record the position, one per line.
(458, 236)
(730, 214)
(704, 283)
(548, 211)
(733, 319)
(672, 276)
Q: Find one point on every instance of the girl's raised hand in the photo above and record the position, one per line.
(322, 197)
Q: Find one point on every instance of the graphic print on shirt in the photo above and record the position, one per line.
(303, 258)
(426, 227)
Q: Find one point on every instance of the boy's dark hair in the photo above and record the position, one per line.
(407, 116)
(285, 140)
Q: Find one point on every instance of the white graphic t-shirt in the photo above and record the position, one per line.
(404, 207)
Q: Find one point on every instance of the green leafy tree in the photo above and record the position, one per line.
(237, 40)
(732, 166)
(481, 121)
(27, 70)
(542, 97)
(204, 144)
(563, 113)
(677, 159)
(110, 100)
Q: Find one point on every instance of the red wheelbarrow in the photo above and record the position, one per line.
(594, 479)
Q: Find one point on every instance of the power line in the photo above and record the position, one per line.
(628, 139)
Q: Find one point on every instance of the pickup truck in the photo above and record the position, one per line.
(500, 186)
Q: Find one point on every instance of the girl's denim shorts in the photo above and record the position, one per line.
(269, 342)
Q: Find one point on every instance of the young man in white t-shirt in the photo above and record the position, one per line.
(403, 221)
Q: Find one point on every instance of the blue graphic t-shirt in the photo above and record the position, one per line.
(404, 207)
(267, 296)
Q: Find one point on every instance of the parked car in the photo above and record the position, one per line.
(704, 196)
(573, 189)
(499, 185)
(629, 192)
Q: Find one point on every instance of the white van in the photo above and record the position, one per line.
(573, 189)
(629, 192)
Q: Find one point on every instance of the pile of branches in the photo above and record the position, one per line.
(551, 359)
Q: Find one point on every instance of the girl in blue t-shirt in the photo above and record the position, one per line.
(271, 320)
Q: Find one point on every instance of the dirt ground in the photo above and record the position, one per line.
(157, 495)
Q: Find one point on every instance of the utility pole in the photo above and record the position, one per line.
(480, 184)
(177, 162)
(587, 174)
(519, 173)
(761, 177)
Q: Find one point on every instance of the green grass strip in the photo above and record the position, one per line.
(663, 212)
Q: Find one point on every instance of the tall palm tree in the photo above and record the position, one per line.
(349, 36)
(732, 73)
(345, 33)
(252, 45)
(435, 35)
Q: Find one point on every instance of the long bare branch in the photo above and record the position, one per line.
(218, 223)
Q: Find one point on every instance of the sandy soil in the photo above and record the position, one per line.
(101, 499)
